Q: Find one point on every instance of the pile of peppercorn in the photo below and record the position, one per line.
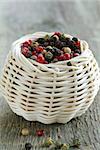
(50, 49)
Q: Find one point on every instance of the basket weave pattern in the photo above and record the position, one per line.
(52, 92)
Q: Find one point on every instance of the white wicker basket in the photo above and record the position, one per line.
(52, 92)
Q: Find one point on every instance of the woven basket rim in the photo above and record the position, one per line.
(16, 49)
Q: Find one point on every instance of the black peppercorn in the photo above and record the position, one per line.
(71, 45)
(28, 146)
(57, 52)
(41, 40)
(69, 63)
(31, 48)
(46, 44)
(52, 43)
(75, 39)
(58, 44)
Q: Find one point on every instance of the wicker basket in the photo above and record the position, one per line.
(53, 92)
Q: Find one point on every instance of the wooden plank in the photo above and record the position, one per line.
(80, 18)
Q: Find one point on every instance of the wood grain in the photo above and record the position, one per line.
(80, 18)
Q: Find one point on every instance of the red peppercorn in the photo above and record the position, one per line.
(76, 54)
(67, 56)
(30, 42)
(77, 44)
(39, 49)
(26, 44)
(40, 58)
(34, 53)
(25, 51)
(61, 57)
(57, 33)
(40, 132)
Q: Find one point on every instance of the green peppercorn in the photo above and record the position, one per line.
(65, 147)
(63, 37)
(47, 37)
(54, 38)
(48, 56)
(35, 44)
(48, 48)
(47, 142)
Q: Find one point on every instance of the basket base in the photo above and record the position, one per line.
(34, 117)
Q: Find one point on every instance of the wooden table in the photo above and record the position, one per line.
(80, 18)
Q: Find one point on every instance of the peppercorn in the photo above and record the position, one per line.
(41, 40)
(40, 58)
(34, 53)
(25, 51)
(54, 60)
(57, 33)
(76, 54)
(48, 48)
(48, 56)
(76, 143)
(25, 132)
(67, 56)
(65, 147)
(54, 38)
(77, 44)
(39, 49)
(57, 52)
(77, 51)
(61, 57)
(48, 142)
(47, 37)
(26, 44)
(44, 51)
(58, 44)
(34, 57)
(52, 43)
(35, 44)
(46, 44)
(28, 146)
(62, 38)
(75, 39)
(68, 40)
(63, 44)
(30, 48)
(69, 63)
(40, 132)
(67, 50)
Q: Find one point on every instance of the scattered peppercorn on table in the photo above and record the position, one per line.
(17, 133)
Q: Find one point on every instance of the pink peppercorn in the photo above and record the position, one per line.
(57, 33)
(40, 58)
(39, 49)
(40, 132)
(76, 54)
(67, 56)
